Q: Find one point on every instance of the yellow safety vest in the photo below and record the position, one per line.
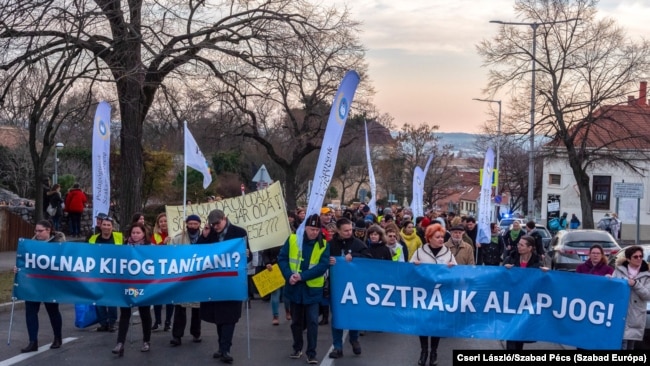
(117, 238)
(158, 238)
(294, 260)
(397, 254)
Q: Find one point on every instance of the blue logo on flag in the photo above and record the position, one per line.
(343, 108)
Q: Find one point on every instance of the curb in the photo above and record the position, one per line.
(6, 307)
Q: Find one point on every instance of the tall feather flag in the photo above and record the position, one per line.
(484, 235)
(330, 148)
(101, 159)
(194, 158)
(371, 176)
(417, 204)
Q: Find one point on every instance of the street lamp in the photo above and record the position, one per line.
(57, 147)
(496, 187)
(531, 156)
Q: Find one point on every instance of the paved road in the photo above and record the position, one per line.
(270, 345)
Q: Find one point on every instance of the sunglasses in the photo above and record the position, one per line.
(637, 256)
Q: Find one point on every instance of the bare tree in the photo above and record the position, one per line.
(141, 44)
(38, 92)
(582, 66)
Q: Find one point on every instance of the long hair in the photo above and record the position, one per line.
(156, 228)
(144, 230)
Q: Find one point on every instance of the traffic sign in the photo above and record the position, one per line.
(497, 199)
(628, 190)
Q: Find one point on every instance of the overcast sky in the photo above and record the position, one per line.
(423, 60)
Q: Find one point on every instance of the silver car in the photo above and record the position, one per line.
(570, 248)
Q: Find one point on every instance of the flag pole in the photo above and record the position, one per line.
(184, 169)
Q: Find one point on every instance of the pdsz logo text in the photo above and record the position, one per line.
(135, 292)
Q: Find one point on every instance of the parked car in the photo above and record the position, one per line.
(569, 248)
(505, 223)
(646, 257)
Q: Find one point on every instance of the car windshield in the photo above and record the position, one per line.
(543, 233)
(588, 244)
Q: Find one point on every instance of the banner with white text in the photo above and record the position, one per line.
(521, 304)
(126, 275)
(262, 213)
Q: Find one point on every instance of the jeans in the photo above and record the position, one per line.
(275, 301)
(337, 337)
(627, 344)
(304, 316)
(106, 315)
(180, 321)
(75, 223)
(31, 318)
(169, 311)
(225, 333)
(125, 317)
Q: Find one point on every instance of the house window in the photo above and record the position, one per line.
(601, 188)
(554, 179)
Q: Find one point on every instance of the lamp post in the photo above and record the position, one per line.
(57, 147)
(531, 156)
(496, 187)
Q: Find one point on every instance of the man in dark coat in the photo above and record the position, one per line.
(344, 244)
(225, 314)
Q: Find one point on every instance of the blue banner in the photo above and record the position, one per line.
(479, 302)
(125, 275)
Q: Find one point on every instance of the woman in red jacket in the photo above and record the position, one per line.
(75, 202)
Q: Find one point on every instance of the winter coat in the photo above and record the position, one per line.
(223, 312)
(600, 269)
(463, 252)
(56, 237)
(379, 251)
(639, 296)
(491, 252)
(425, 255)
(55, 200)
(512, 243)
(353, 246)
(515, 260)
(301, 293)
(412, 242)
(75, 201)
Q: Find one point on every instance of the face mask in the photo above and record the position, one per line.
(192, 231)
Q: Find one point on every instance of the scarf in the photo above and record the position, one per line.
(514, 234)
(495, 239)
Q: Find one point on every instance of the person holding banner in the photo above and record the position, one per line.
(106, 315)
(525, 257)
(306, 279)
(346, 246)
(189, 236)
(43, 232)
(377, 243)
(635, 271)
(225, 314)
(463, 252)
(136, 235)
(159, 237)
(434, 252)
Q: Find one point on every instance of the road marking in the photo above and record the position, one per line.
(24, 356)
(327, 361)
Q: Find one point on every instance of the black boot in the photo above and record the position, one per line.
(31, 347)
(423, 358)
(433, 359)
(326, 315)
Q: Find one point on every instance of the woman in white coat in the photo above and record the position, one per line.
(433, 252)
(635, 270)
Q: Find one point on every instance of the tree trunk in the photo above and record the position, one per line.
(582, 180)
(290, 188)
(131, 161)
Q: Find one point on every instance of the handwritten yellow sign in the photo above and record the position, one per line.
(262, 213)
(269, 281)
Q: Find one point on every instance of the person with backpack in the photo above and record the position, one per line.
(575, 222)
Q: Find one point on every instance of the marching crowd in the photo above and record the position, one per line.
(334, 234)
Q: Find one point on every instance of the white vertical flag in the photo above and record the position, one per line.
(101, 159)
(194, 157)
(329, 149)
(417, 203)
(371, 176)
(484, 235)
